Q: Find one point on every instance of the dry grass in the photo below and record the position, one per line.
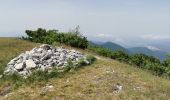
(10, 48)
(94, 82)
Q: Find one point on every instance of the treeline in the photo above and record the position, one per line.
(76, 39)
(139, 60)
(72, 38)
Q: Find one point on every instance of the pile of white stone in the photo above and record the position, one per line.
(43, 58)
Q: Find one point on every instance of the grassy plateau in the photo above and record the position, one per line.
(93, 82)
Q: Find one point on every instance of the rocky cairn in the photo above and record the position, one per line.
(43, 58)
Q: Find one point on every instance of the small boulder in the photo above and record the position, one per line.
(1, 76)
(45, 46)
(11, 62)
(19, 66)
(46, 89)
(6, 90)
(118, 88)
(30, 64)
(47, 56)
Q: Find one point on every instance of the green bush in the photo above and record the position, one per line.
(100, 51)
(138, 60)
(156, 68)
(167, 70)
(120, 55)
(73, 38)
(91, 59)
(142, 59)
(167, 62)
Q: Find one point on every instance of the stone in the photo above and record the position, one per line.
(47, 56)
(1, 76)
(25, 57)
(11, 62)
(47, 88)
(6, 90)
(30, 64)
(137, 88)
(45, 46)
(86, 61)
(43, 58)
(39, 50)
(73, 51)
(7, 71)
(19, 61)
(23, 72)
(118, 88)
(19, 66)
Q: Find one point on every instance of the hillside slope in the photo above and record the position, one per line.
(96, 81)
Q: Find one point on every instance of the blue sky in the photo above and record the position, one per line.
(127, 22)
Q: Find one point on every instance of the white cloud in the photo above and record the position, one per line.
(103, 35)
(120, 40)
(155, 37)
(153, 48)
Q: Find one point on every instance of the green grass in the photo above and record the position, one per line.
(93, 82)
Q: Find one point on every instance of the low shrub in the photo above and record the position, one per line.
(120, 55)
(72, 38)
(100, 51)
(91, 59)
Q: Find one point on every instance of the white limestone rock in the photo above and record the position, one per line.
(43, 58)
(19, 66)
(30, 64)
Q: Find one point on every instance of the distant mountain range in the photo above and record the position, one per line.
(148, 50)
(162, 55)
(114, 47)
